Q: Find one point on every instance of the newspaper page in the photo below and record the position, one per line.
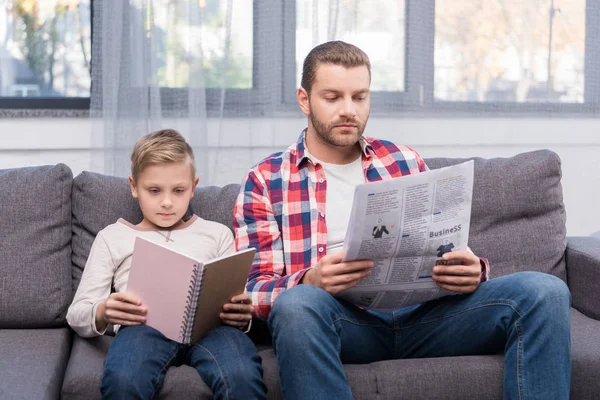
(405, 225)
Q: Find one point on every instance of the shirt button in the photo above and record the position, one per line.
(321, 180)
(322, 215)
(321, 249)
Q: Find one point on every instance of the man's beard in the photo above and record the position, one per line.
(325, 131)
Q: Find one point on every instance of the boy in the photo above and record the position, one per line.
(163, 180)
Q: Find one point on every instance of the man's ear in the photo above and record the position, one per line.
(303, 100)
(133, 187)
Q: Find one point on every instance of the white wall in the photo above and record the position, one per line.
(25, 142)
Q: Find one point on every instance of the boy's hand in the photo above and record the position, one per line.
(462, 274)
(120, 309)
(238, 313)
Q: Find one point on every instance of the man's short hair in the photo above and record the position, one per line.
(336, 53)
(161, 147)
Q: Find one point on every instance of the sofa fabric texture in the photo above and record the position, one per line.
(36, 246)
(32, 362)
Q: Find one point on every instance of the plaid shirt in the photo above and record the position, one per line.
(280, 211)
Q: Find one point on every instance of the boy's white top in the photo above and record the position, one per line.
(110, 260)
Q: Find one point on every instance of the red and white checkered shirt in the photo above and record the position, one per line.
(280, 211)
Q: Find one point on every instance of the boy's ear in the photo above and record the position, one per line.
(133, 187)
(196, 180)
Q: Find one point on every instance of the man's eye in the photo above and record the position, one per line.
(331, 98)
(361, 98)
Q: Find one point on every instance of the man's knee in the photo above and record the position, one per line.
(545, 285)
(542, 289)
(300, 304)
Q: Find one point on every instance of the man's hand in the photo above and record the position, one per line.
(335, 276)
(120, 308)
(237, 313)
(463, 277)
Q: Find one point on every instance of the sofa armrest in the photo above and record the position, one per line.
(583, 274)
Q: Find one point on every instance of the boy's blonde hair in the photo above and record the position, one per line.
(161, 147)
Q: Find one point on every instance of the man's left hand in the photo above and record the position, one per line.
(463, 276)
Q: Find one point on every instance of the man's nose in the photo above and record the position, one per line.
(347, 108)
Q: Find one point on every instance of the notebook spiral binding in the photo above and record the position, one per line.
(187, 325)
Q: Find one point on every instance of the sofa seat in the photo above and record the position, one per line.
(428, 378)
(33, 362)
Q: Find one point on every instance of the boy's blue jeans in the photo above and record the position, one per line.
(525, 315)
(139, 357)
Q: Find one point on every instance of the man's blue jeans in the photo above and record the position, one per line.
(525, 315)
(139, 357)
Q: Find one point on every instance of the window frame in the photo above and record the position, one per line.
(273, 91)
(418, 97)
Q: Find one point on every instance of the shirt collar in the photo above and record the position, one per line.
(303, 154)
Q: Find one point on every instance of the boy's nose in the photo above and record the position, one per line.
(166, 202)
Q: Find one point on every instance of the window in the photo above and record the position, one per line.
(525, 51)
(182, 39)
(45, 53)
(428, 57)
(359, 23)
(463, 56)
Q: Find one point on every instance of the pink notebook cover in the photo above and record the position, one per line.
(152, 266)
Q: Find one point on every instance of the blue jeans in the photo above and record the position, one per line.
(525, 315)
(139, 357)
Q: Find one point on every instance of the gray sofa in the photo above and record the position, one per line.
(49, 221)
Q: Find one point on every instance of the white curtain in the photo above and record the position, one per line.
(155, 63)
(225, 72)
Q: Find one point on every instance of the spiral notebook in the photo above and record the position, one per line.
(185, 296)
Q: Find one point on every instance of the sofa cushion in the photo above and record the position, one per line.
(585, 356)
(33, 362)
(100, 200)
(35, 261)
(518, 216)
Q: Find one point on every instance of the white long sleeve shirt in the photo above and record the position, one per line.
(108, 264)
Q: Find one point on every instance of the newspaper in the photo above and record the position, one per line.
(405, 225)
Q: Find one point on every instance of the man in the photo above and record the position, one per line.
(294, 208)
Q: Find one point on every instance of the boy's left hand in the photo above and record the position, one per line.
(238, 313)
(463, 277)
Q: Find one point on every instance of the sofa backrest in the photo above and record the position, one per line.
(517, 221)
(518, 216)
(100, 200)
(35, 250)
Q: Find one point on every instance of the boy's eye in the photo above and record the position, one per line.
(179, 190)
(154, 191)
